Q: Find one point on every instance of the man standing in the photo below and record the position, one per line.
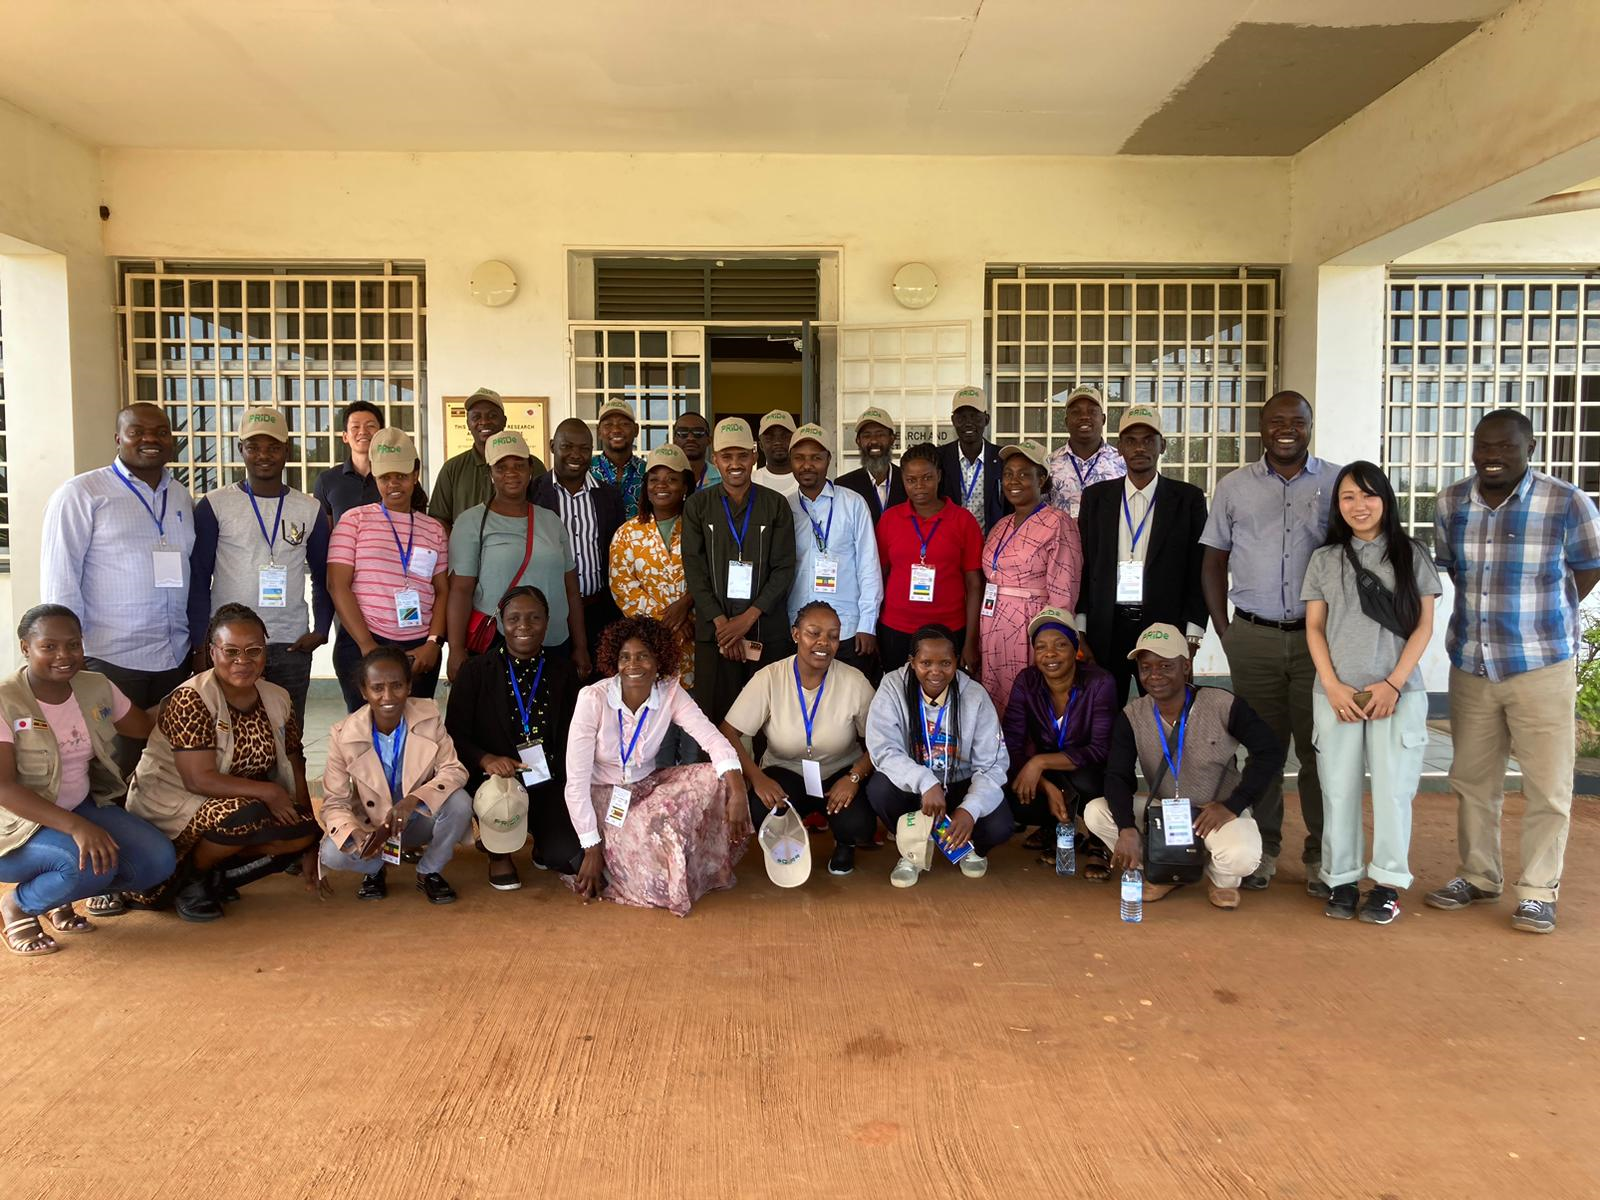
(255, 543)
(116, 552)
(777, 428)
(464, 480)
(1523, 549)
(1266, 519)
(1086, 458)
(877, 479)
(350, 485)
(970, 465)
(616, 463)
(836, 550)
(691, 433)
(1141, 551)
(592, 513)
(738, 559)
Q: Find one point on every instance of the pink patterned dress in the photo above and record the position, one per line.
(1035, 564)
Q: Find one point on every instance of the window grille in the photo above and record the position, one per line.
(5, 482)
(661, 371)
(909, 371)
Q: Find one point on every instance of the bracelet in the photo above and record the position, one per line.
(1392, 687)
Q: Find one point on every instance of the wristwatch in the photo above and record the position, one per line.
(435, 640)
(855, 778)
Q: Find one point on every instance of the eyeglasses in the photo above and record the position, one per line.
(686, 431)
(250, 654)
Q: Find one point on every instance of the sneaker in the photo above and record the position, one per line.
(1342, 902)
(1257, 881)
(974, 867)
(373, 887)
(1381, 905)
(1458, 893)
(1535, 916)
(905, 873)
(843, 860)
(1315, 888)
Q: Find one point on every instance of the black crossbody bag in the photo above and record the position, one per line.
(1377, 601)
(1164, 863)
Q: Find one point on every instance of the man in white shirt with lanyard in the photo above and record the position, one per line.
(1086, 458)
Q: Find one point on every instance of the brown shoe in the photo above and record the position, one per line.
(1223, 897)
(1154, 891)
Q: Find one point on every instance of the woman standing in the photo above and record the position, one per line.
(508, 717)
(1031, 560)
(931, 549)
(62, 836)
(670, 835)
(506, 543)
(1369, 596)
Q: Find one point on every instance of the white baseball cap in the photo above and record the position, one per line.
(501, 806)
(786, 847)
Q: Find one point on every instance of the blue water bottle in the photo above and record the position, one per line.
(1066, 849)
(1133, 895)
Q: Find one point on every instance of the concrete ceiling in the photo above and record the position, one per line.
(1245, 77)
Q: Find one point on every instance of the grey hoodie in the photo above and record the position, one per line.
(981, 755)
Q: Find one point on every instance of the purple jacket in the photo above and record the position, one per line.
(1029, 723)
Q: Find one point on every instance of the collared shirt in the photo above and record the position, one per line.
(583, 524)
(98, 560)
(341, 488)
(465, 482)
(852, 542)
(1269, 526)
(711, 478)
(1138, 500)
(1069, 474)
(971, 482)
(630, 483)
(1516, 603)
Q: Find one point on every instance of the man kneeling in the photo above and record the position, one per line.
(393, 780)
(1185, 739)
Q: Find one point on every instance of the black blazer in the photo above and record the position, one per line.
(607, 510)
(1171, 562)
(950, 480)
(480, 717)
(859, 482)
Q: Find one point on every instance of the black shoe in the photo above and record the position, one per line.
(437, 890)
(411, 854)
(1342, 902)
(221, 890)
(194, 901)
(843, 860)
(373, 887)
(1316, 889)
(1381, 905)
(1255, 883)
(1458, 893)
(1535, 916)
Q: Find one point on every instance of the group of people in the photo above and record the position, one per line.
(649, 656)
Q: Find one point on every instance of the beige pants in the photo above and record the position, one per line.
(1233, 851)
(1530, 716)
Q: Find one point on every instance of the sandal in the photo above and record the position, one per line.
(1096, 865)
(107, 904)
(25, 936)
(1035, 841)
(66, 919)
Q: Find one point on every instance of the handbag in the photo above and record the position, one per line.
(1377, 601)
(1164, 862)
(481, 626)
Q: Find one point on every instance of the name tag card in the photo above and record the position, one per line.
(167, 565)
(1130, 583)
(535, 768)
(617, 811)
(741, 580)
(825, 580)
(812, 770)
(408, 609)
(273, 590)
(1178, 819)
(991, 597)
(922, 583)
(391, 851)
(423, 562)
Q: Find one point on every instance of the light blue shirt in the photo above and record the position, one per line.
(97, 560)
(851, 540)
(1269, 526)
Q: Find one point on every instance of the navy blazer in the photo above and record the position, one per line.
(859, 482)
(994, 505)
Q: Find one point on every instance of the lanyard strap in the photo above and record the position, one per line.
(411, 539)
(822, 534)
(1016, 526)
(811, 718)
(938, 723)
(391, 768)
(523, 709)
(277, 519)
(968, 486)
(161, 521)
(1061, 722)
(1183, 727)
(1083, 480)
(1127, 516)
(738, 534)
(644, 715)
(917, 525)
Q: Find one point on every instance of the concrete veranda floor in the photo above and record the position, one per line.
(1005, 1037)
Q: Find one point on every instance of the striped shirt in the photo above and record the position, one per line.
(1516, 603)
(583, 528)
(365, 541)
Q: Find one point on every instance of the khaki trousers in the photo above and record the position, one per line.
(1233, 851)
(1531, 716)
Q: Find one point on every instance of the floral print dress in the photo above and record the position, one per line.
(647, 577)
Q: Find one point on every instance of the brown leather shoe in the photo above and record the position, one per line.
(1154, 891)
(1223, 897)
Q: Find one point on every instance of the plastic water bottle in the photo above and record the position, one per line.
(1133, 895)
(1066, 849)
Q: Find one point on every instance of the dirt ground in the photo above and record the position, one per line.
(1005, 1037)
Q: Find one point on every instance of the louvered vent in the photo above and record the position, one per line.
(632, 289)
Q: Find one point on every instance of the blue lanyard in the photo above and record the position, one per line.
(1016, 525)
(938, 723)
(738, 534)
(917, 525)
(533, 692)
(277, 520)
(644, 714)
(811, 719)
(968, 486)
(822, 534)
(1127, 516)
(1083, 480)
(1183, 727)
(411, 539)
(161, 521)
(1061, 722)
(391, 769)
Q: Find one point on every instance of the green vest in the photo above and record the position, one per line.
(38, 757)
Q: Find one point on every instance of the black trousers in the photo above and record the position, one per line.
(894, 647)
(890, 803)
(1127, 623)
(555, 842)
(1078, 786)
(718, 680)
(599, 611)
(853, 825)
(145, 689)
(869, 665)
(347, 660)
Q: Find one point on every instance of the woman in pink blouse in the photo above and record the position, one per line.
(652, 838)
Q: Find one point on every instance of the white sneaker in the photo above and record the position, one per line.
(974, 867)
(905, 873)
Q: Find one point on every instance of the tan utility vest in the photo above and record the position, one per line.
(39, 758)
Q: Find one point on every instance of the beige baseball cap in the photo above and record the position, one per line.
(913, 837)
(392, 450)
(264, 420)
(777, 417)
(489, 394)
(875, 416)
(1089, 390)
(1054, 616)
(810, 433)
(1141, 414)
(501, 806)
(1031, 450)
(1163, 639)
(969, 397)
(666, 456)
(615, 405)
(732, 434)
(786, 847)
(505, 444)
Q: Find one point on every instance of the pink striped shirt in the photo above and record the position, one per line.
(364, 541)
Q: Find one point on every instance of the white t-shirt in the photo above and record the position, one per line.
(72, 741)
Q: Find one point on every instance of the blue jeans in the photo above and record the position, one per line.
(439, 833)
(46, 872)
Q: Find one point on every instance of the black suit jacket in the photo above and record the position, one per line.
(950, 480)
(1171, 562)
(859, 482)
(607, 510)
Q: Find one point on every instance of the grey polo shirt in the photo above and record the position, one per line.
(1269, 526)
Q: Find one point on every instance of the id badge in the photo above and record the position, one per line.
(273, 589)
(408, 609)
(922, 583)
(1130, 583)
(621, 797)
(741, 580)
(167, 565)
(534, 767)
(391, 850)
(825, 581)
(423, 562)
(991, 597)
(812, 770)
(1178, 820)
